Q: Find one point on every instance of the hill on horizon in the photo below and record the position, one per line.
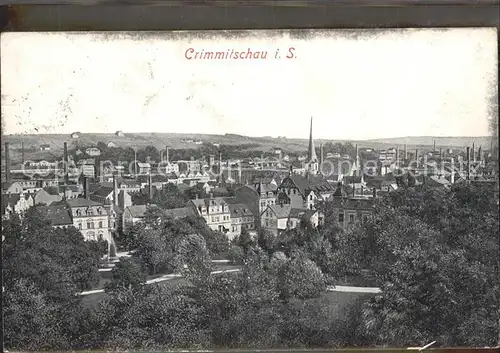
(32, 142)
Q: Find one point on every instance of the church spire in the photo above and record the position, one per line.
(311, 153)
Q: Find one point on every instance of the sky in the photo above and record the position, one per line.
(355, 84)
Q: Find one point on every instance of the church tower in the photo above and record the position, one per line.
(312, 164)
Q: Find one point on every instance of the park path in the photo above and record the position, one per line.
(169, 277)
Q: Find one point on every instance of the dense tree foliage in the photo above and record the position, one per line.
(43, 269)
(432, 251)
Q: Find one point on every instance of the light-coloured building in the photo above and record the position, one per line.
(12, 188)
(303, 192)
(241, 218)
(47, 196)
(16, 203)
(215, 211)
(279, 218)
(91, 218)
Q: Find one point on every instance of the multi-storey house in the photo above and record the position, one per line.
(91, 218)
(279, 218)
(215, 211)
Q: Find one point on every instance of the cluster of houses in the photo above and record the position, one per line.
(230, 200)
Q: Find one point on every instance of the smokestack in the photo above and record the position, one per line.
(7, 163)
(321, 153)
(362, 190)
(66, 172)
(161, 156)
(468, 163)
(167, 157)
(479, 154)
(135, 161)
(86, 191)
(150, 187)
(374, 192)
(115, 187)
(22, 152)
(473, 153)
(452, 177)
(416, 157)
(406, 151)
(434, 148)
(397, 156)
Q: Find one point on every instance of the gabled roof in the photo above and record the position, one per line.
(299, 213)
(306, 184)
(239, 210)
(281, 211)
(9, 199)
(103, 191)
(59, 214)
(180, 212)
(51, 190)
(81, 202)
(137, 211)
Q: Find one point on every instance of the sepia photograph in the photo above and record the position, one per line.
(250, 189)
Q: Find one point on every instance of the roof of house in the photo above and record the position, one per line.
(102, 191)
(239, 210)
(81, 202)
(52, 190)
(138, 211)
(214, 201)
(299, 213)
(352, 179)
(180, 212)
(281, 211)
(59, 214)
(305, 184)
(9, 199)
(6, 185)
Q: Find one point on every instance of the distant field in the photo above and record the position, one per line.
(161, 140)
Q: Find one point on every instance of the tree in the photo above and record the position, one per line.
(170, 197)
(300, 277)
(127, 274)
(434, 252)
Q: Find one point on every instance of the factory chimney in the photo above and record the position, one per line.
(66, 172)
(434, 146)
(115, 187)
(468, 163)
(416, 157)
(7, 163)
(86, 191)
(22, 152)
(167, 159)
(150, 187)
(406, 152)
(473, 153)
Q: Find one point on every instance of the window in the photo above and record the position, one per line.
(341, 218)
(78, 213)
(311, 207)
(351, 218)
(90, 225)
(100, 224)
(80, 225)
(294, 191)
(267, 223)
(310, 197)
(365, 218)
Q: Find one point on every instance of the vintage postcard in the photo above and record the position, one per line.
(250, 189)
